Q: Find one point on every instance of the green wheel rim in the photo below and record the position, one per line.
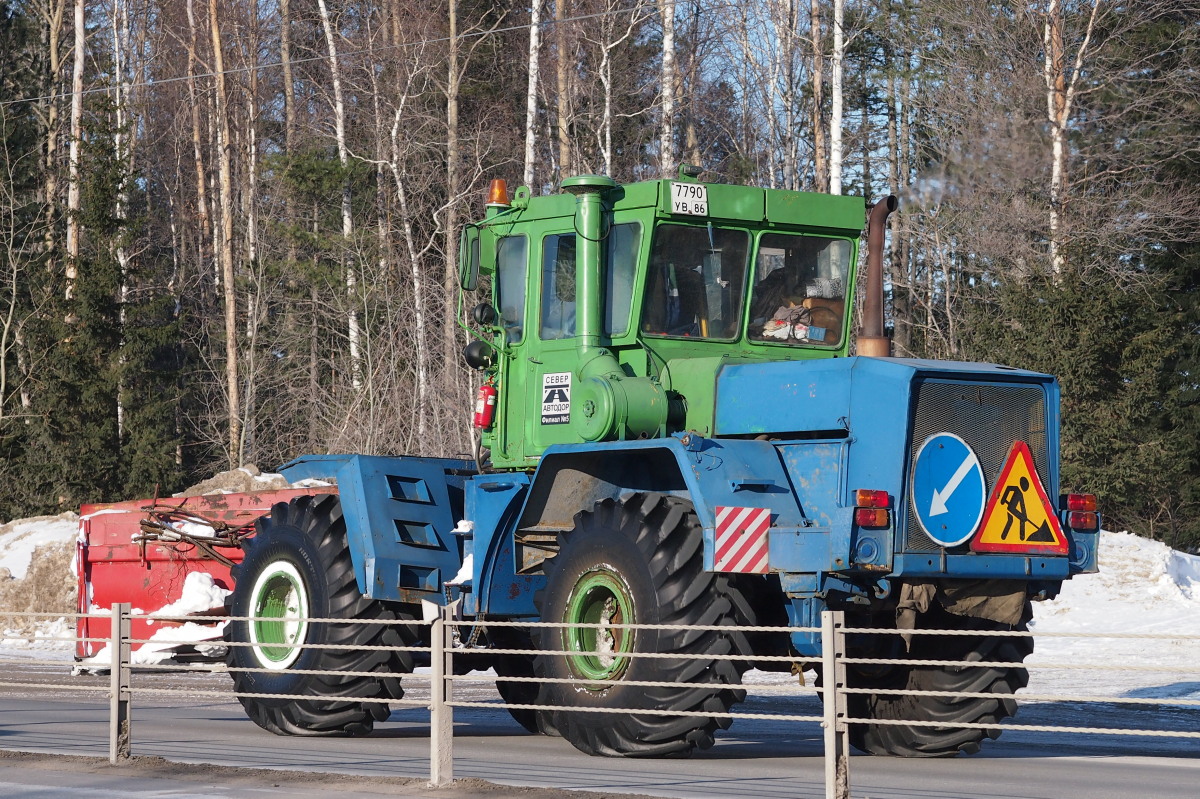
(599, 597)
(279, 604)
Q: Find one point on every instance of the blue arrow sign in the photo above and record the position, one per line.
(948, 493)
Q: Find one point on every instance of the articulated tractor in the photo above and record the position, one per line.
(673, 432)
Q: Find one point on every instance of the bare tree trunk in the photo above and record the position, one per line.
(820, 165)
(865, 144)
(53, 20)
(289, 88)
(901, 308)
(564, 96)
(73, 195)
(254, 293)
(174, 289)
(122, 142)
(420, 303)
(454, 190)
(835, 116)
(787, 73)
(1060, 97)
(203, 220)
(607, 45)
(229, 288)
(668, 164)
(339, 112)
(906, 157)
(535, 21)
(690, 135)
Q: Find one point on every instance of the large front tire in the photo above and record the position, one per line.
(639, 561)
(297, 566)
(911, 740)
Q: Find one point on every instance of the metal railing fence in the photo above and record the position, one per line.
(836, 666)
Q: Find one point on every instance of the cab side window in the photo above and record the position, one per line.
(620, 251)
(620, 268)
(512, 259)
(558, 286)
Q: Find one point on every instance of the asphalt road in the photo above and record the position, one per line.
(761, 758)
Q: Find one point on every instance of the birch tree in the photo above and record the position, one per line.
(612, 36)
(837, 57)
(562, 79)
(123, 155)
(203, 220)
(668, 164)
(51, 15)
(1062, 84)
(73, 177)
(414, 251)
(353, 334)
(535, 23)
(225, 243)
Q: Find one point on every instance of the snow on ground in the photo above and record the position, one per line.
(1143, 586)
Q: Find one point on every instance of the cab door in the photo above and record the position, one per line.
(553, 343)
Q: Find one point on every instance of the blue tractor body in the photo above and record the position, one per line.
(794, 438)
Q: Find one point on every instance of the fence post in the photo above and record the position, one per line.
(119, 733)
(833, 680)
(441, 715)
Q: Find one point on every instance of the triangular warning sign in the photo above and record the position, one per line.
(1019, 517)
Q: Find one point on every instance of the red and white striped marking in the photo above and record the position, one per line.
(741, 541)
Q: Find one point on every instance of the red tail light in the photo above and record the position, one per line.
(873, 508)
(866, 498)
(1081, 502)
(871, 517)
(1084, 521)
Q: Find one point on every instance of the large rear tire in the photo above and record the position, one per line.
(639, 561)
(297, 566)
(908, 740)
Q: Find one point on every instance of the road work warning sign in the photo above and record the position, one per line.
(556, 398)
(1019, 516)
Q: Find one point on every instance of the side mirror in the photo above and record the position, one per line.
(468, 258)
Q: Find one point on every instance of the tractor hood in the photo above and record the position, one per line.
(836, 395)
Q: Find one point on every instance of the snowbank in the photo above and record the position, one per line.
(1143, 587)
(19, 539)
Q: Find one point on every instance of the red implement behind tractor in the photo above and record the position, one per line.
(142, 552)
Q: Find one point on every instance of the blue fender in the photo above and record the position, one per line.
(400, 515)
(709, 473)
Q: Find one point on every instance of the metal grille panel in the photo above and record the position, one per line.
(989, 418)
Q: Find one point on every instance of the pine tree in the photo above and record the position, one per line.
(1112, 352)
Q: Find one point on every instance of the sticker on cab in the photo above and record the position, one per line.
(556, 398)
(1019, 516)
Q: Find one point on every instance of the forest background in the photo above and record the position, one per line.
(229, 227)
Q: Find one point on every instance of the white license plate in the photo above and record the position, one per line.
(689, 198)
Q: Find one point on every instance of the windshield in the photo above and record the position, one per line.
(799, 292)
(694, 282)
